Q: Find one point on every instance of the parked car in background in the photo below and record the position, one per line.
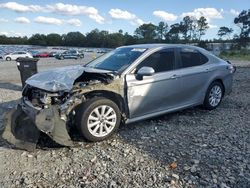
(40, 54)
(52, 54)
(43, 54)
(15, 55)
(101, 51)
(69, 54)
(81, 52)
(34, 53)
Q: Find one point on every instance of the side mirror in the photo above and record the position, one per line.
(145, 71)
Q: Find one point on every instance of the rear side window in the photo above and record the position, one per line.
(159, 61)
(190, 58)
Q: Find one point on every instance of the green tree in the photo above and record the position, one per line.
(243, 22)
(161, 29)
(225, 31)
(202, 26)
(187, 27)
(38, 39)
(146, 32)
(114, 40)
(174, 33)
(129, 39)
(54, 39)
(74, 39)
(93, 38)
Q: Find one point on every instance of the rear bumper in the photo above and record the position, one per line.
(228, 83)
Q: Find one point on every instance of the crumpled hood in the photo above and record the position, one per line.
(59, 79)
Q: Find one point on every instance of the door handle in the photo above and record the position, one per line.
(174, 76)
(207, 70)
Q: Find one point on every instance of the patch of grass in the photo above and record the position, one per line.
(242, 55)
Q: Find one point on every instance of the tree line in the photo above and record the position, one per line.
(188, 30)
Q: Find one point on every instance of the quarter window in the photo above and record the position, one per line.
(190, 58)
(159, 61)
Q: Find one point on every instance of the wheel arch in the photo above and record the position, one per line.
(7, 57)
(221, 82)
(115, 97)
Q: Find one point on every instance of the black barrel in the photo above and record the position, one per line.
(27, 68)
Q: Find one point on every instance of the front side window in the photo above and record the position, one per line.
(117, 60)
(190, 58)
(160, 61)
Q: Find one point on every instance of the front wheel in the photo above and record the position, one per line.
(213, 96)
(8, 58)
(98, 118)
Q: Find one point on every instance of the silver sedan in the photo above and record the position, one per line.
(128, 84)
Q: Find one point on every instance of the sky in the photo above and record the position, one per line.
(27, 17)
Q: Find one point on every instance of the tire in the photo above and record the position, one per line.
(213, 96)
(8, 59)
(61, 58)
(95, 127)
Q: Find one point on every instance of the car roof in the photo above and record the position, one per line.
(19, 51)
(161, 45)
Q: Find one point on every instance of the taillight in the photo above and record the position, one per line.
(231, 68)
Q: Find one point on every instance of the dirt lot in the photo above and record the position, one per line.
(191, 148)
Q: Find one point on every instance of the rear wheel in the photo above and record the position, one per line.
(8, 59)
(98, 118)
(213, 96)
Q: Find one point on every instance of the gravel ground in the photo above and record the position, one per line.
(191, 148)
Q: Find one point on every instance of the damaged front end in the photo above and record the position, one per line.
(49, 98)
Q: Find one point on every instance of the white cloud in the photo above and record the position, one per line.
(56, 21)
(211, 26)
(234, 12)
(3, 20)
(4, 33)
(165, 15)
(22, 20)
(15, 34)
(74, 22)
(11, 33)
(20, 7)
(139, 21)
(68, 9)
(208, 13)
(58, 8)
(125, 15)
(99, 19)
(121, 14)
(48, 20)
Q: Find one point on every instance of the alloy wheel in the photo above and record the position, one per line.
(101, 121)
(215, 95)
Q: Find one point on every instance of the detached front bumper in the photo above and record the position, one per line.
(23, 125)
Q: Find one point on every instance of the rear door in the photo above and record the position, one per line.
(154, 93)
(195, 72)
(14, 55)
(22, 54)
(66, 54)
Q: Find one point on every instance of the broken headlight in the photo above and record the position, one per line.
(41, 98)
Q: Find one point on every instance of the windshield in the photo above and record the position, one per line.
(117, 60)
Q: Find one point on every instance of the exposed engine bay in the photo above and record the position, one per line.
(49, 99)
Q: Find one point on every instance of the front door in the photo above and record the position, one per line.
(157, 92)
